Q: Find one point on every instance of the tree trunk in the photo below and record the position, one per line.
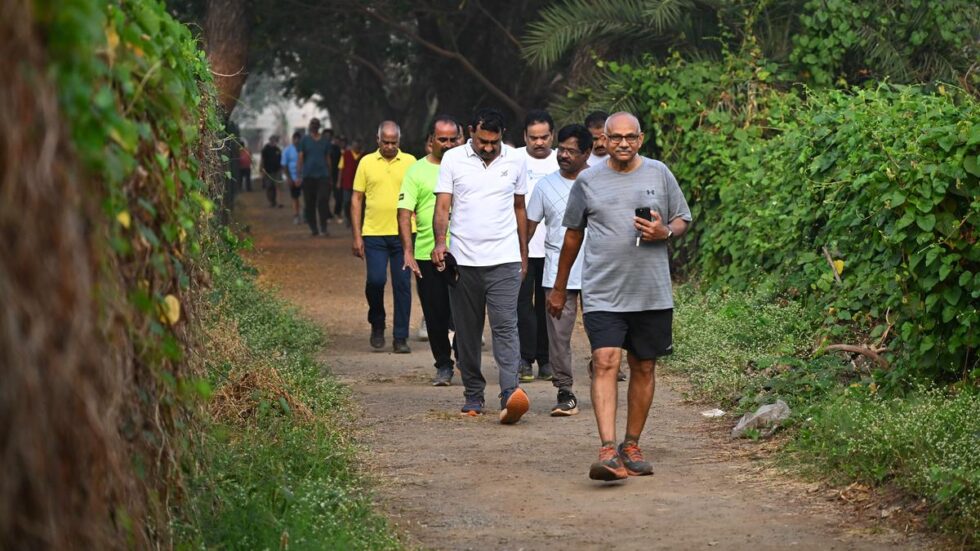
(226, 43)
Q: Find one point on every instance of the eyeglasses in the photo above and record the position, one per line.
(631, 139)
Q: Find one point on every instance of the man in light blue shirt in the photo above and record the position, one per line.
(290, 156)
(547, 207)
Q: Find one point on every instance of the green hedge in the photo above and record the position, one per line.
(884, 178)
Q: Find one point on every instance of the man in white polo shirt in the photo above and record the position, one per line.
(541, 159)
(596, 123)
(483, 182)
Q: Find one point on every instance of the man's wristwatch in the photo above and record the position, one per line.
(670, 233)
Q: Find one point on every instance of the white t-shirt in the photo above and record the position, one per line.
(537, 169)
(548, 205)
(483, 231)
(596, 159)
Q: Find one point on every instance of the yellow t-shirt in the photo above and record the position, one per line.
(381, 180)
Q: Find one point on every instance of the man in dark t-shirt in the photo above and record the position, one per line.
(271, 166)
(314, 168)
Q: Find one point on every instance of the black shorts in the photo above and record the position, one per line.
(295, 192)
(648, 335)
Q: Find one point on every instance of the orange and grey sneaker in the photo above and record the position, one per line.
(633, 460)
(473, 406)
(513, 405)
(609, 467)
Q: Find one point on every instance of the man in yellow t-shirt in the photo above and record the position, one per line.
(376, 186)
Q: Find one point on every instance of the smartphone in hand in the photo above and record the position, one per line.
(644, 213)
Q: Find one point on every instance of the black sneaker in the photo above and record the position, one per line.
(567, 404)
(444, 377)
(400, 346)
(545, 373)
(633, 460)
(524, 372)
(377, 337)
(472, 407)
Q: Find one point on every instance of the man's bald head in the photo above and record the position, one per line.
(390, 128)
(620, 118)
(389, 138)
(623, 137)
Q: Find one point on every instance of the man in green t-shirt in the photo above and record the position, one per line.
(417, 198)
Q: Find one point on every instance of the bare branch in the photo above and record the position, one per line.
(450, 54)
(866, 351)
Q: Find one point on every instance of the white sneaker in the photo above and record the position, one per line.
(296, 220)
(423, 334)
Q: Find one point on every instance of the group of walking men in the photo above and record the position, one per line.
(594, 231)
(315, 167)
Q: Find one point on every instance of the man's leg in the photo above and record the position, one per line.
(376, 262)
(468, 299)
(310, 187)
(527, 328)
(270, 189)
(434, 295)
(338, 199)
(323, 203)
(503, 285)
(605, 366)
(541, 351)
(347, 196)
(643, 382)
(401, 287)
(560, 341)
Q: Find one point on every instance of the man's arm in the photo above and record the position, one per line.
(356, 206)
(299, 166)
(521, 213)
(569, 252)
(405, 232)
(531, 226)
(440, 227)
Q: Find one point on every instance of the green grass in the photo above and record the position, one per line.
(740, 350)
(927, 444)
(281, 476)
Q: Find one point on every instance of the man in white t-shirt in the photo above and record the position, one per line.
(541, 160)
(547, 205)
(484, 183)
(596, 123)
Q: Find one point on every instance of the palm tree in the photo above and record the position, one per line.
(623, 28)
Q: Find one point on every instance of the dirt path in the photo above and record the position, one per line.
(455, 483)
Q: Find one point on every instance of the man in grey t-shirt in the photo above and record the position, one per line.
(626, 291)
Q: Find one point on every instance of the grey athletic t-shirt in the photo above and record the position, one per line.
(617, 275)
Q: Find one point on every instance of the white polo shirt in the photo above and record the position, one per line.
(597, 159)
(483, 231)
(537, 169)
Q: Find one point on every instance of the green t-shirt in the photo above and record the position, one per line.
(418, 195)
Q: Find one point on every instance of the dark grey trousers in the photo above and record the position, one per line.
(560, 341)
(489, 291)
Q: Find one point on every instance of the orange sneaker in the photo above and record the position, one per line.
(633, 460)
(513, 406)
(609, 467)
